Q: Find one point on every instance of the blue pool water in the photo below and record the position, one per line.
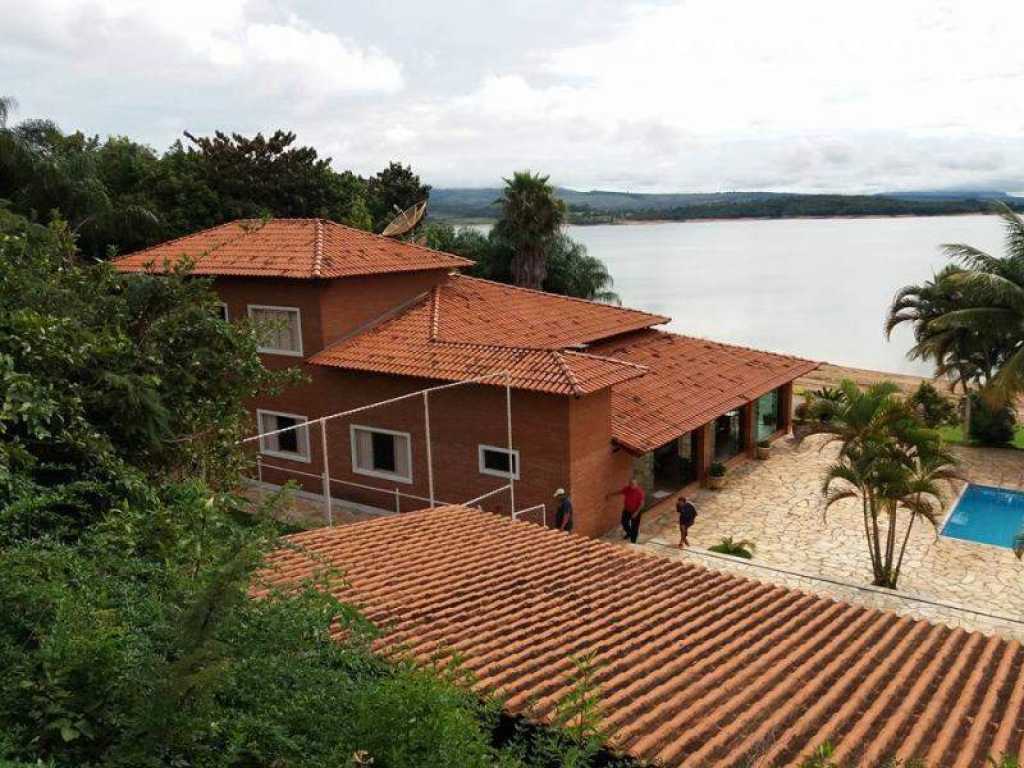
(987, 515)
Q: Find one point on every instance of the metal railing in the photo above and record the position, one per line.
(395, 492)
(543, 513)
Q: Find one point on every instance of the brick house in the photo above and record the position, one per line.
(597, 392)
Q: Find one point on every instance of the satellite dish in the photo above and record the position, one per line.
(406, 220)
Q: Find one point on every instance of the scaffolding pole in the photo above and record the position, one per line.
(430, 459)
(513, 470)
(326, 475)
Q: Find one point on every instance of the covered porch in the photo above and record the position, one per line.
(687, 458)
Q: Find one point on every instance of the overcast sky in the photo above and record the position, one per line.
(654, 96)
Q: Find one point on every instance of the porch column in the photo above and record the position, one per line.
(786, 408)
(749, 427)
(704, 451)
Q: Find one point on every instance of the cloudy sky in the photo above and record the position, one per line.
(695, 95)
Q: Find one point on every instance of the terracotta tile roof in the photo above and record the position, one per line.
(405, 346)
(297, 248)
(690, 381)
(484, 312)
(696, 667)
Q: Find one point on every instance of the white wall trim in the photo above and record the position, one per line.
(353, 428)
(484, 470)
(303, 436)
(298, 322)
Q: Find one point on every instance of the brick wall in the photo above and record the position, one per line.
(350, 303)
(461, 419)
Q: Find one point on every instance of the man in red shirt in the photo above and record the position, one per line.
(632, 502)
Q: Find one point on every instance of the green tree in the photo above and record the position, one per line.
(531, 219)
(391, 191)
(888, 461)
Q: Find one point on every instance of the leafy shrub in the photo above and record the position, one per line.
(729, 546)
(932, 406)
(764, 443)
(717, 469)
(991, 425)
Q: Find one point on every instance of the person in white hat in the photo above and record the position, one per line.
(563, 514)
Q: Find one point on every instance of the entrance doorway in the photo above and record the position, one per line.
(675, 464)
(729, 438)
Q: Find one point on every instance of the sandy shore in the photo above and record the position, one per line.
(829, 375)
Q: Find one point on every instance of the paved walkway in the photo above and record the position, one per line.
(777, 504)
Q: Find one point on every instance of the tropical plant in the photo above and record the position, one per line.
(991, 423)
(892, 464)
(737, 548)
(531, 218)
(934, 409)
(717, 469)
(969, 320)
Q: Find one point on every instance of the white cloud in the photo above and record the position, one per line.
(688, 95)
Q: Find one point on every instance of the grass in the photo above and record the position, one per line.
(955, 435)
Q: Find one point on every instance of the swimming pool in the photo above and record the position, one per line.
(987, 515)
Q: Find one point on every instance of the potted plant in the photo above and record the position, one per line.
(716, 475)
(764, 449)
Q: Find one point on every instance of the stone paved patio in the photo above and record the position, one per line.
(777, 504)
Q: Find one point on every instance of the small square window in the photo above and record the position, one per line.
(292, 443)
(280, 331)
(381, 453)
(499, 462)
(222, 311)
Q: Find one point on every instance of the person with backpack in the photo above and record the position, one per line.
(687, 516)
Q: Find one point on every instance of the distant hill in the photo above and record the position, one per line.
(602, 206)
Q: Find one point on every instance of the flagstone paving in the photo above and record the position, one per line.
(777, 504)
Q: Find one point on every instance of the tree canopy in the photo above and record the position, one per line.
(116, 193)
(532, 217)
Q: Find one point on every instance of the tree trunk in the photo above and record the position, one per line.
(529, 268)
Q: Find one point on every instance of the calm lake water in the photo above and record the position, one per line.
(812, 287)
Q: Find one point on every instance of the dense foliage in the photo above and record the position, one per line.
(934, 408)
(890, 462)
(128, 564)
(121, 195)
(991, 423)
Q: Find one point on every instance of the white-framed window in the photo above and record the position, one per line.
(282, 332)
(292, 444)
(222, 311)
(381, 453)
(500, 462)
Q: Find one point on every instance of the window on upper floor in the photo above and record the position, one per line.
(292, 443)
(280, 329)
(499, 462)
(381, 453)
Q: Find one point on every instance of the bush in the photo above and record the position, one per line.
(729, 546)
(991, 425)
(764, 443)
(935, 409)
(717, 469)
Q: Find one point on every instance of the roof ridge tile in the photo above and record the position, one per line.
(567, 371)
(318, 248)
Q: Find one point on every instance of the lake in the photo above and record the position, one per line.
(818, 288)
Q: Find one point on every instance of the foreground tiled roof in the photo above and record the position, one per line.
(407, 345)
(477, 311)
(296, 248)
(690, 381)
(695, 667)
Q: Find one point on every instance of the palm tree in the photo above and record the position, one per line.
(571, 271)
(531, 218)
(889, 462)
(970, 319)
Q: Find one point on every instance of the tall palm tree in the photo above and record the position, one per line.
(970, 319)
(532, 216)
(889, 462)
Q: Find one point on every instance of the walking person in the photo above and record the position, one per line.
(687, 517)
(563, 513)
(632, 504)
